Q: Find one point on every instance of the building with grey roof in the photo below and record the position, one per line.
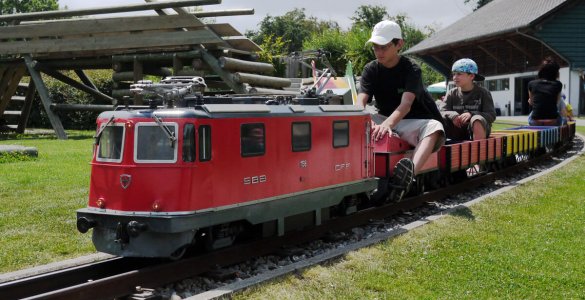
(509, 39)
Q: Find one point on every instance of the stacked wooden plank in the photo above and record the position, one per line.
(99, 37)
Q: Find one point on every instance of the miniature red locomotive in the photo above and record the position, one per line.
(162, 179)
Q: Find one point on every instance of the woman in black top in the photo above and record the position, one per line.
(544, 95)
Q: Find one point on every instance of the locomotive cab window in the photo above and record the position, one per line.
(111, 143)
(301, 136)
(189, 143)
(204, 143)
(252, 139)
(340, 134)
(153, 144)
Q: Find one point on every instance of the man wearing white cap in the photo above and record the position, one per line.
(395, 82)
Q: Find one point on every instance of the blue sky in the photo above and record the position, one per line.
(437, 13)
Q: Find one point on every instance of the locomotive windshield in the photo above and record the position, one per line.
(153, 144)
(110, 145)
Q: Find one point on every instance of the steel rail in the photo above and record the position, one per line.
(54, 280)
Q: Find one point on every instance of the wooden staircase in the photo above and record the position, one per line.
(15, 98)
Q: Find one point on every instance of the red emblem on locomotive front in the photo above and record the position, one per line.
(125, 180)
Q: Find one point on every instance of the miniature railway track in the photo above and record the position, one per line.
(119, 277)
(60, 279)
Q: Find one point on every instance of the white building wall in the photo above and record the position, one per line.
(573, 90)
(505, 98)
(564, 79)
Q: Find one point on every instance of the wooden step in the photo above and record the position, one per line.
(18, 98)
(12, 113)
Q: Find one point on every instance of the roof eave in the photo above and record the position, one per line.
(414, 51)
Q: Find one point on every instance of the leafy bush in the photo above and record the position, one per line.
(62, 93)
(356, 50)
(272, 49)
(333, 42)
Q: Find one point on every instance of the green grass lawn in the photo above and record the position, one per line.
(38, 199)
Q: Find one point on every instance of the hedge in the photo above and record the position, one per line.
(62, 93)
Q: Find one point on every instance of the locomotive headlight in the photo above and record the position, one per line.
(156, 206)
(129, 124)
(101, 202)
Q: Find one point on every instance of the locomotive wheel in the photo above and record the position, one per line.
(178, 254)
(435, 180)
(380, 197)
(492, 167)
(348, 205)
(510, 161)
(418, 186)
(220, 236)
(539, 151)
(458, 176)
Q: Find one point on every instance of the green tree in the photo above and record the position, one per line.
(293, 27)
(410, 33)
(22, 6)
(351, 45)
(334, 42)
(430, 76)
(479, 3)
(357, 52)
(272, 50)
(367, 16)
(343, 47)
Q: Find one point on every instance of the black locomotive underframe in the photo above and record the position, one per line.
(163, 234)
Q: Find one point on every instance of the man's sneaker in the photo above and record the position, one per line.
(402, 179)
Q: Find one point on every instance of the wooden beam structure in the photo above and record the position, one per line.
(441, 61)
(209, 59)
(493, 56)
(132, 47)
(110, 44)
(522, 49)
(45, 97)
(55, 14)
(70, 81)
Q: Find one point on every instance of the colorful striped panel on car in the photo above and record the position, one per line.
(549, 135)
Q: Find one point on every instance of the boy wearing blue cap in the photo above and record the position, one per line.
(468, 109)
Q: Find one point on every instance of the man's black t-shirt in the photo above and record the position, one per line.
(388, 84)
(545, 94)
